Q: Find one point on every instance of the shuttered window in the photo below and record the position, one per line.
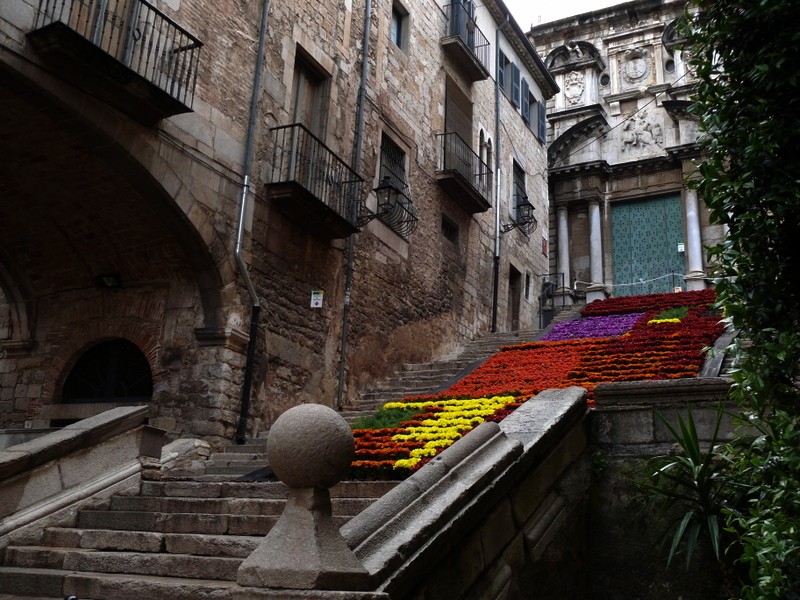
(525, 109)
(515, 85)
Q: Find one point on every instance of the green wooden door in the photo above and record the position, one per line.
(646, 236)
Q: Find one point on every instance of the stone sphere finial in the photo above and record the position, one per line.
(310, 446)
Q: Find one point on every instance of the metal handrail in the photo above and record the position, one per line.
(137, 34)
(299, 156)
(461, 23)
(456, 155)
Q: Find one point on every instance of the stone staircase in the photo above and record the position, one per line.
(418, 378)
(432, 377)
(176, 540)
(238, 459)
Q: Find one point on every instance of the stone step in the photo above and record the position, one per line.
(258, 445)
(135, 563)
(18, 582)
(228, 506)
(233, 459)
(222, 489)
(207, 523)
(239, 546)
(234, 472)
(235, 489)
(108, 586)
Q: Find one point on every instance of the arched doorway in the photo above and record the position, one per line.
(114, 371)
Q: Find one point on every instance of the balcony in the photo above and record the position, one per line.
(463, 174)
(311, 185)
(125, 52)
(464, 43)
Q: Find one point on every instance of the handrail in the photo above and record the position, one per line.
(456, 155)
(301, 157)
(137, 34)
(462, 24)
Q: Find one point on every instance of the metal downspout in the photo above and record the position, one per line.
(351, 242)
(241, 427)
(497, 180)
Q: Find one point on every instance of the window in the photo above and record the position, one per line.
(503, 72)
(527, 100)
(486, 162)
(542, 122)
(449, 230)
(399, 215)
(522, 207)
(398, 28)
(393, 163)
(515, 85)
(519, 193)
(509, 78)
(311, 93)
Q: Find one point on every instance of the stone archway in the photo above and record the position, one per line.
(96, 245)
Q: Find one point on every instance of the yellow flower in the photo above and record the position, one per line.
(405, 463)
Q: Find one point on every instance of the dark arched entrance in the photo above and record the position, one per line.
(112, 371)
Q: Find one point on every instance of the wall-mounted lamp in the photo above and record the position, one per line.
(525, 219)
(394, 208)
(386, 192)
(109, 280)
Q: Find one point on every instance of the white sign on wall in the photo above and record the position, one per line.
(316, 298)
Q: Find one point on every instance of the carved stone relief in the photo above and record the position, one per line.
(642, 134)
(635, 65)
(573, 87)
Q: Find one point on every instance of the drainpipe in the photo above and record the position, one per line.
(241, 427)
(351, 242)
(497, 178)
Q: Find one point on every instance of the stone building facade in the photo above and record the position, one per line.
(170, 237)
(621, 146)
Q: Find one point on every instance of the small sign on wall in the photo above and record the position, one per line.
(316, 298)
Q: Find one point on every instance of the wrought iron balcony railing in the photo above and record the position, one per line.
(463, 39)
(458, 160)
(136, 34)
(301, 159)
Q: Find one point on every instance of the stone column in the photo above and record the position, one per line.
(596, 291)
(695, 279)
(563, 244)
(564, 291)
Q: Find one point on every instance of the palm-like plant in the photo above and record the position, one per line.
(687, 489)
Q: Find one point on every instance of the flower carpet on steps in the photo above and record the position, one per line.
(629, 338)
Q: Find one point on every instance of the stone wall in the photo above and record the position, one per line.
(623, 541)
(93, 191)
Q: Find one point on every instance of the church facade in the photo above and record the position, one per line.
(622, 145)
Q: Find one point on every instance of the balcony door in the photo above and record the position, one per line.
(114, 27)
(310, 96)
(458, 120)
(310, 100)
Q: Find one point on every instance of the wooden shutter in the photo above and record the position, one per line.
(525, 107)
(542, 120)
(458, 112)
(515, 84)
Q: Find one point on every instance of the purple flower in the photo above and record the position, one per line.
(592, 327)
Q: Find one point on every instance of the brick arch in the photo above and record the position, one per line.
(144, 335)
